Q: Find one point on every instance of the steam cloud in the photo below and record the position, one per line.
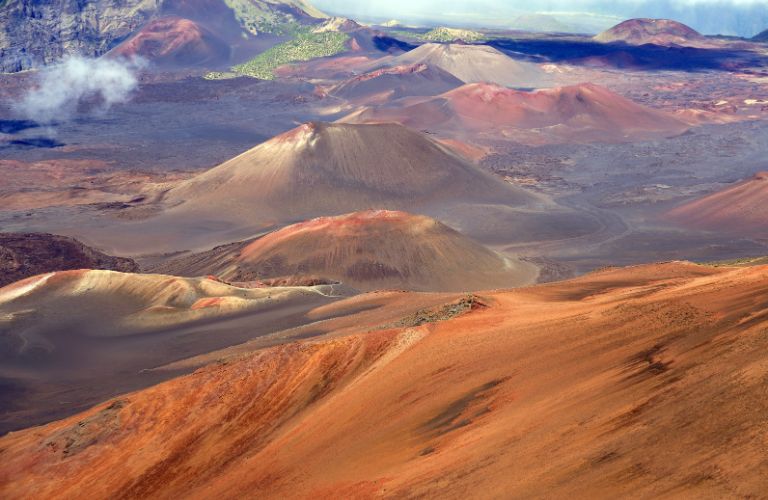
(61, 88)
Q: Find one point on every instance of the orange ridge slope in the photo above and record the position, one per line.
(644, 381)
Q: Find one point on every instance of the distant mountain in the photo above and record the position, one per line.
(541, 22)
(761, 37)
(34, 33)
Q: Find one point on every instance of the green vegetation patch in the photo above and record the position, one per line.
(743, 262)
(443, 35)
(304, 47)
(450, 34)
(255, 17)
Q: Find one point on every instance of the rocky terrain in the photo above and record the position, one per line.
(34, 34)
(23, 255)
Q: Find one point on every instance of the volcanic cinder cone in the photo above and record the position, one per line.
(654, 31)
(366, 250)
(328, 169)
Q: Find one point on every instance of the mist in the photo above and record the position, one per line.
(60, 89)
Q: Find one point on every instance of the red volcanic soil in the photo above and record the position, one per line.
(740, 209)
(328, 169)
(28, 254)
(396, 82)
(654, 31)
(585, 112)
(173, 41)
(367, 250)
(639, 382)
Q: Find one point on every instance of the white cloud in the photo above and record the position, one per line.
(62, 87)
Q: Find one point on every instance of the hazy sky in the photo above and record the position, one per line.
(732, 17)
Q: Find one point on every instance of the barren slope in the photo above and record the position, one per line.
(641, 382)
(72, 338)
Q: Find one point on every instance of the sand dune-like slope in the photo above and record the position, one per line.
(327, 169)
(583, 113)
(640, 382)
(173, 41)
(738, 209)
(399, 81)
(654, 31)
(112, 303)
(23, 255)
(365, 250)
(72, 338)
(472, 63)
